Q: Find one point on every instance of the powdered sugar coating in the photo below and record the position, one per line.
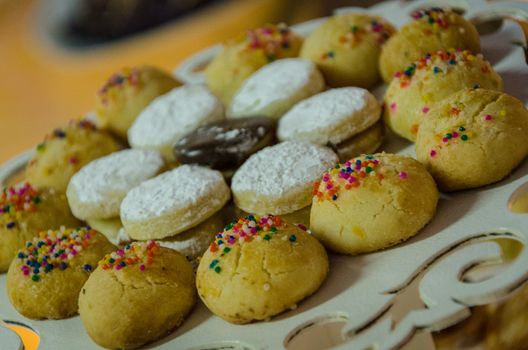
(286, 168)
(187, 187)
(277, 86)
(171, 116)
(96, 191)
(332, 116)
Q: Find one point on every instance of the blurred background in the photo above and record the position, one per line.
(55, 54)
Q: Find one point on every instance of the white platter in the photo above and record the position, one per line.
(368, 301)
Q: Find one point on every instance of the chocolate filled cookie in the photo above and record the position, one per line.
(225, 144)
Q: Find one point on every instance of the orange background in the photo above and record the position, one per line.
(44, 85)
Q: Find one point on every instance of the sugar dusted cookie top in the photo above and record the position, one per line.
(97, 190)
(278, 179)
(171, 116)
(276, 87)
(331, 116)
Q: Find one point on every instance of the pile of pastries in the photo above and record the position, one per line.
(233, 190)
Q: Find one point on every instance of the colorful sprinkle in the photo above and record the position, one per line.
(141, 253)
(488, 117)
(435, 16)
(273, 40)
(425, 110)
(433, 153)
(54, 250)
(439, 62)
(245, 230)
(347, 176)
(327, 55)
(16, 200)
(378, 29)
(403, 175)
(128, 76)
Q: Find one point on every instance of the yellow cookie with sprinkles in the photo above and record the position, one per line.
(45, 278)
(431, 30)
(372, 202)
(413, 91)
(24, 211)
(258, 267)
(245, 54)
(473, 138)
(65, 151)
(149, 288)
(346, 49)
(127, 92)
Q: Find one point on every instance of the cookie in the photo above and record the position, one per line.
(335, 117)
(137, 294)
(24, 211)
(126, 93)
(244, 55)
(96, 191)
(259, 267)
(224, 145)
(275, 88)
(112, 229)
(171, 116)
(372, 202)
(278, 179)
(482, 129)
(431, 30)
(173, 202)
(44, 280)
(413, 91)
(65, 151)
(195, 241)
(346, 48)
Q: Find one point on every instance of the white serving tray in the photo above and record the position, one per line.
(368, 300)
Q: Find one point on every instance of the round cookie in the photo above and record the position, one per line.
(335, 117)
(65, 151)
(366, 142)
(242, 56)
(259, 267)
(346, 48)
(137, 295)
(431, 30)
(275, 88)
(96, 191)
(171, 116)
(278, 179)
(193, 242)
(372, 202)
(45, 278)
(112, 229)
(126, 93)
(173, 202)
(413, 91)
(24, 211)
(482, 129)
(226, 144)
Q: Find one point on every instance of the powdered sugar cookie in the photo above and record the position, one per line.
(97, 190)
(331, 117)
(278, 179)
(173, 115)
(276, 87)
(173, 202)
